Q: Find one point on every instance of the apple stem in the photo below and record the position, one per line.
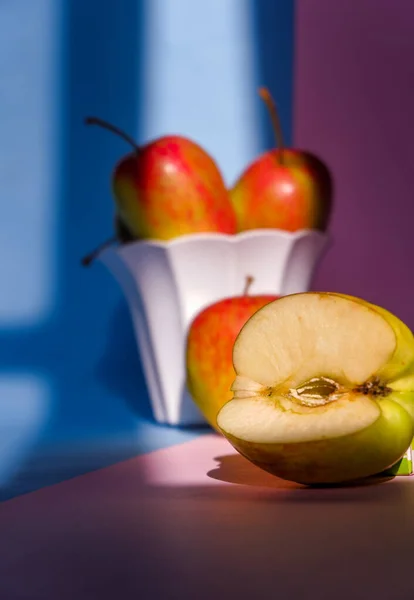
(274, 116)
(247, 285)
(89, 258)
(114, 129)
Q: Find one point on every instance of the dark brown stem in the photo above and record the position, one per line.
(114, 129)
(247, 285)
(89, 258)
(274, 116)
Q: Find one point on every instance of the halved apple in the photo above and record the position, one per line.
(324, 389)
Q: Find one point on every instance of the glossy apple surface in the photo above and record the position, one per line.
(210, 341)
(172, 187)
(287, 190)
(324, 389)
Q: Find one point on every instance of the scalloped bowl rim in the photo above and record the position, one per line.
(230, 237)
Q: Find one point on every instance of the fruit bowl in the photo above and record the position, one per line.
(167, 283)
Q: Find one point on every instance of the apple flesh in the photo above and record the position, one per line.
(209, 350)
(324, 389)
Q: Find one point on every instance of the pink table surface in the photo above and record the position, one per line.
(198, 521)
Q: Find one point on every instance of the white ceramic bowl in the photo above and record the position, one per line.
(167, 283)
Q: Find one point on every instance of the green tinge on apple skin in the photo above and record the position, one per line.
(404, 399)
(336, 460)
(402, 363)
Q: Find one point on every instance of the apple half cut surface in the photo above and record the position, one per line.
(324, 389)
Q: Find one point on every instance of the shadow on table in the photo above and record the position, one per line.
(233, 480)
(233, 468)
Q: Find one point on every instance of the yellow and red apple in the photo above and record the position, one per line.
(172, 187)
(209, 350)
(284, 188)
(167, 188)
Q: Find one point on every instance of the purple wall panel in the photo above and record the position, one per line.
(354, 100)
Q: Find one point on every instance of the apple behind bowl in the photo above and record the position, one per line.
(209, 349)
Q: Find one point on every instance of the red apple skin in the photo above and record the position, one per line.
(209, 352)
(293, 195)
(169, 188)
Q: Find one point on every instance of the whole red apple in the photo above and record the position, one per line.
(168, 188)
(209, 351)
(284, 188)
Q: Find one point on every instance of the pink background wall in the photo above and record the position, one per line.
(354, 100)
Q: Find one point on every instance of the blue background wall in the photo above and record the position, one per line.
(72, 394)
